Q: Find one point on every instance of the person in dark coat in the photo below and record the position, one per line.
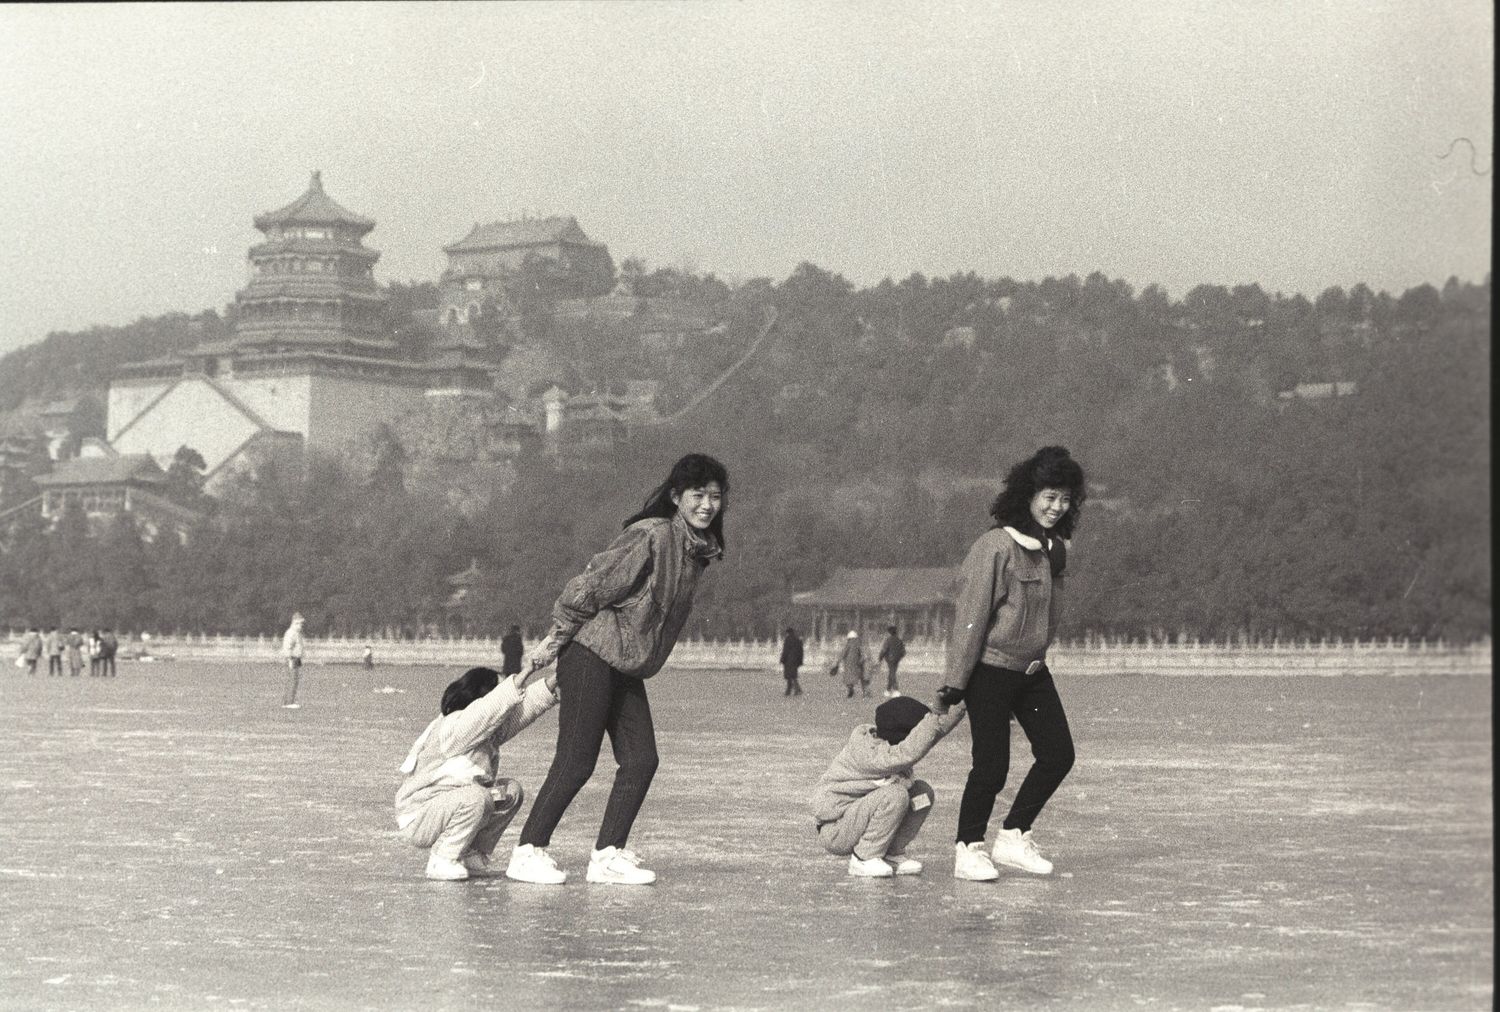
(791, 660)
(512, 649)
(891, 651)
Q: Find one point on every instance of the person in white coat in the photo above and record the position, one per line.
(292, 647)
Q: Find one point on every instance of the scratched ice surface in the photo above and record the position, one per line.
(174, 840)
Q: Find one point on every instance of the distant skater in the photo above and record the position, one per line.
(73, 647)
(891, 652)
(613, 627)
(109, 647)
(1005, 618)
(31, 649)
(512, 649)
(868, 804)
(53, 644)
(367, 659)
(95, 651)
(292, 646)
(791, 661)
(851, 664)
(450, 800)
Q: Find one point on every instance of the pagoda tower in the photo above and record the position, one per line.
(312, 282)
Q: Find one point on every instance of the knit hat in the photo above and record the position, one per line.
(852, 635)
(895, 718)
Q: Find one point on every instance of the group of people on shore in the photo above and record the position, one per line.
(614, 626)
(70, 649)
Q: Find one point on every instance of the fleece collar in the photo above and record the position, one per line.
(1028, 542)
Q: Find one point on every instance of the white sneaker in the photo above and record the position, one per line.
(618, 866)
(972, 864)
(1014, 849)
(478, 864)
(529, 863)
(904, 865)
(873, 868)
(445, 870)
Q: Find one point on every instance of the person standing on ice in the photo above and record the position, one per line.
(891, 652)
(450, 799)
(1004, 621)
(292, 647)
(613, 627)
(851, 663)
(791, 661)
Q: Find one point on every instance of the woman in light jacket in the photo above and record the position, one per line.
(1007, 612)
(614, 627)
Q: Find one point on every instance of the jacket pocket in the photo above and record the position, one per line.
(1022, 615)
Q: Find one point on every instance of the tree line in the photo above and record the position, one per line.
(873, 430)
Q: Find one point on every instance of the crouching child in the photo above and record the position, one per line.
(450, 800)
(868, 804)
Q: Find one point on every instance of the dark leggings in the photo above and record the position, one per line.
(993, 696)
(596, 699)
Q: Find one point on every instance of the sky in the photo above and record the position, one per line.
(1296, 145)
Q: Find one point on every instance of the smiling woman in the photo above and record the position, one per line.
(613, 627)
(1004, 621)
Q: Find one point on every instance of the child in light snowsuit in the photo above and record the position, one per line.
(450, 800)
(868, 804)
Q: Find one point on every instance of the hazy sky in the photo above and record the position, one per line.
(1292, 144)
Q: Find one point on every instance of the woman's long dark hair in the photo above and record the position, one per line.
(1049, 467)
(471, 685)
(693, 471)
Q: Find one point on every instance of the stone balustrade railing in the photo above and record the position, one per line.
(1092, 657)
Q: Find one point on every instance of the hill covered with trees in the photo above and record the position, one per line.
(1259, 464)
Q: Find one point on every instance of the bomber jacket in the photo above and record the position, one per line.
(868, 761)
(631, 601)
(463, 747)
(1008, 605)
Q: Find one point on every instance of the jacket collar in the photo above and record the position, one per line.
(701, 546)
(1027, 541)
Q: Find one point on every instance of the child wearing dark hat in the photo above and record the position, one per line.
(450, 799)
(868, 804)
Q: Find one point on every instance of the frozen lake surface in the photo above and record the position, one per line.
(173, 839)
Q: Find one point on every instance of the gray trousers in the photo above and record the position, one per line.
(293, 678)
(880, 823)
(465, 820)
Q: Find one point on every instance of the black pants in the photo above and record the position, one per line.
(995, 695)
(793, 687)
(596, 699)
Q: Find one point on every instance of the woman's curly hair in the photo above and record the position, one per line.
(1049, 467)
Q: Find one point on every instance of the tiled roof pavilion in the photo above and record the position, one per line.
(917, 601)
(314, 208)
(526, 232)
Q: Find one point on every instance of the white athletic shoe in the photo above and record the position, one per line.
(445, 870)
(873, 868)
(529, 863)
(1014, 849)
(618, 866)
(972, 864)
(904, 865)
(478, 864)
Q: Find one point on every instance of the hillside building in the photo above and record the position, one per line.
(308, 367)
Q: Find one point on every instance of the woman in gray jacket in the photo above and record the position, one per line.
(1006, 615)
(613, 628)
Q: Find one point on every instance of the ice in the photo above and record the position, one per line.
(1333, 853)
